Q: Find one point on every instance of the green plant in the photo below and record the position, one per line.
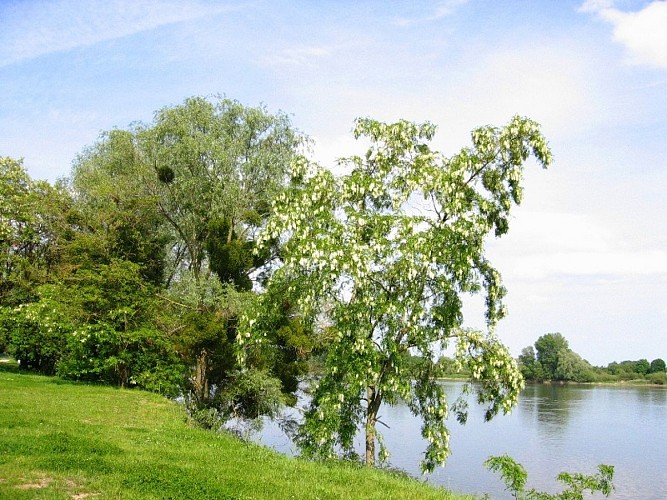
(659, 378)
(36, 335)
(512, 473)
(140, 357)
(515, 477)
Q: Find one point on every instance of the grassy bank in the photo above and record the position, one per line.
(66, 440)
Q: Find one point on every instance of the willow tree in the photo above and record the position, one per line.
(212, 167)
(382, 257)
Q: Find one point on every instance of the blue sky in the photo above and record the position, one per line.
(586, 254)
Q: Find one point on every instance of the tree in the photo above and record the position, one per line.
(548, 348)
(572, 367)
(381, 258)
(212, 167)
(30, 214)
(657, 366)
(642, 366)
(531, 369)
(32, 225)
(116, 217)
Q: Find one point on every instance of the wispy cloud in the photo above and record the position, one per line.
(643, 33)
(442, 9)
(33, 29)
(300, 56)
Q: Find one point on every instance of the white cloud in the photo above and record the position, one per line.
(643, 33)
(32, 29)
(542, 245)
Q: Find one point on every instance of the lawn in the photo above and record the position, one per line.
(61, 440)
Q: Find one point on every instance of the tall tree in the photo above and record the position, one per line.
(213, 167)
(116, 217)
(382, 257)
(549, 347)
(32, 215)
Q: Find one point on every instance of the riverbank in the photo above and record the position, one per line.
(66, 440)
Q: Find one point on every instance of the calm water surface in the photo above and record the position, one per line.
(554, 428)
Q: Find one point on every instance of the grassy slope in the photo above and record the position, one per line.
(65, 440)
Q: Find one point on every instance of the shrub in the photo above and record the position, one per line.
(36, 335)
(140, 357)
(657, 378)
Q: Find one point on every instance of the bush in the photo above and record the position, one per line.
(36, 335)
(657, 378)
(140, 357)
(250, 394)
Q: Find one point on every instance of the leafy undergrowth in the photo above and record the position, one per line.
(65, 440)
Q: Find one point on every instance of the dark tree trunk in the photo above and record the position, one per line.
(201, 377)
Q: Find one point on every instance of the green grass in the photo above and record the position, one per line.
(66, 440)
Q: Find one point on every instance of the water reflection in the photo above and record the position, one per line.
(549, 406)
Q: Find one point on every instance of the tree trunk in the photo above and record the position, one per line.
(201, 377)
(374, 399)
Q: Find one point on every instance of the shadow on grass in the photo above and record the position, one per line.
(8, 365)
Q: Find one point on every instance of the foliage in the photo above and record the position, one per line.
(657, 366)
(629, 370)
(659, 378)
(212, 167)
(180, 199)
(572, 367)
(548, 348)
(448, 367)
(379, 259)
(31, 214)
(511, 472)
(141, 357)
(116, 215)
(515, 477)
(552, 359)
(642, 366)
(530, 367)
(253, 393)
(36, 333)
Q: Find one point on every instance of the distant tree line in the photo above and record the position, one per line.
(551, 359)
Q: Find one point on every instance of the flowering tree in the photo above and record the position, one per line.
(382, 257)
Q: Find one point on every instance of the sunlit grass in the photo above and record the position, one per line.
(65, 440)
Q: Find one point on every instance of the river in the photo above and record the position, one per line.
(554, 428)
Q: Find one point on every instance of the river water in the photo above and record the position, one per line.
(554, 428)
